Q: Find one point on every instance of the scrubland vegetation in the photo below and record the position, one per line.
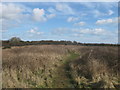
(61, 66)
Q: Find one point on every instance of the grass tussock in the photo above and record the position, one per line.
(97, 68)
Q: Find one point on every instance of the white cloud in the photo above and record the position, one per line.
(80, 24)
(15, 12)
(12, 11)
(51, 16)
(88, 4)
(12, 15)
(72, 19)
(109, 5)
(64, 8)
(35, 31)
(51, 10)
(110, 12)
(15, 15)
(94, 8)
(39, 15)
(78, 31)
(96, 31)
(97, 13)
(96, 34)
(107, 21)
(93, 5)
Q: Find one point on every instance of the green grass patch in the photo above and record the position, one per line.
(72, 56)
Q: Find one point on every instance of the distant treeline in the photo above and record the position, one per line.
(15, 41)
(23, 43)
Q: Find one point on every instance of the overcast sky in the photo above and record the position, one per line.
(82, 22)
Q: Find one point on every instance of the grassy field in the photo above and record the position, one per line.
(61, 66)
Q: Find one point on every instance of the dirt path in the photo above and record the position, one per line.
(63, 78)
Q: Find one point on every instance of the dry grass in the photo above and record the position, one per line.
(29, 66)
(97, 68)
(36, 66)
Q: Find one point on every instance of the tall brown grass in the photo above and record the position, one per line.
(97, 68)
(35, 66)
(30, 66)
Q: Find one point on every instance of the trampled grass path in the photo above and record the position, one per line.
(63, 78)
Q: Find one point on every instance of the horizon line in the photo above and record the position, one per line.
(68, 40)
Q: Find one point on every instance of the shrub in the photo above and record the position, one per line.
(5, 47)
